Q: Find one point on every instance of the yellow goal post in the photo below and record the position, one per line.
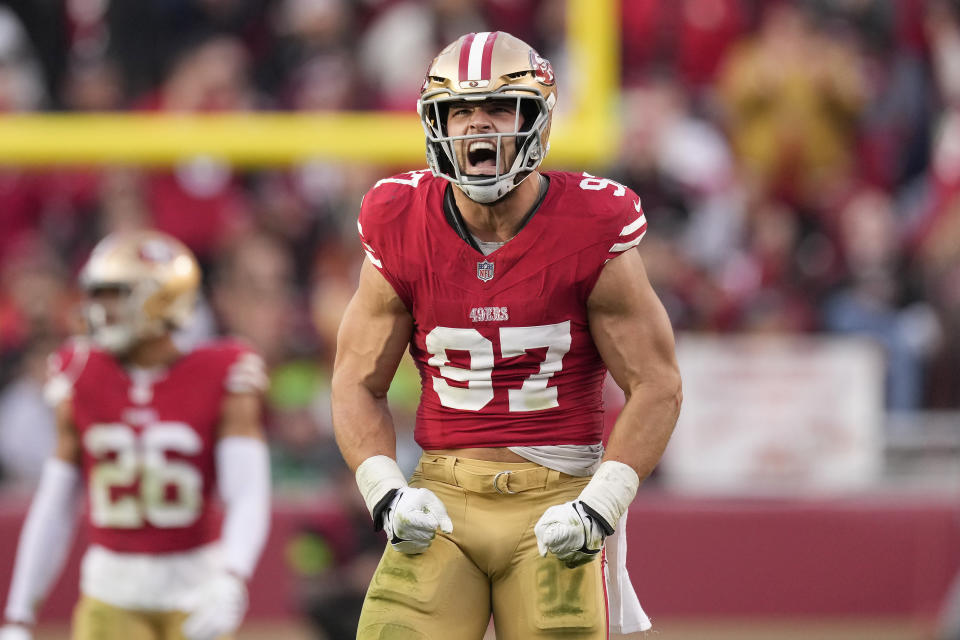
(584, 133)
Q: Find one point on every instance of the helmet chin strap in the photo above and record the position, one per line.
(493, 193)
(486, 194)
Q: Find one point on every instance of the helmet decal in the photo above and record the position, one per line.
(155, 250)
(542, 69)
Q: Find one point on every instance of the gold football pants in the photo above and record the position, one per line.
(97, 620)
(488, 564)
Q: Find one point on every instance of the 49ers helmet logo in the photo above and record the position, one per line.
(153, 250)
(542, 69)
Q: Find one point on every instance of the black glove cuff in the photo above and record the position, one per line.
(381, 507)
(604, 525)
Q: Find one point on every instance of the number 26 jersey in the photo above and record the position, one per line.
(147, 440)
(502, 341)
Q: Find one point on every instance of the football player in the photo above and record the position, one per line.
(515, 291)
(150, 434)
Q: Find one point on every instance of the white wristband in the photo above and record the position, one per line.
(611, 490)
(376, 476)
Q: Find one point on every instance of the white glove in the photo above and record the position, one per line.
(15, 632)
(222, 603)
(568, 532)
(412, 519)
(574, 531)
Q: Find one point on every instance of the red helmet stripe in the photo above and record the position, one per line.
(465, 55)
(487, 56)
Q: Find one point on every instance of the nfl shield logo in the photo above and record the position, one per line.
(485, 270)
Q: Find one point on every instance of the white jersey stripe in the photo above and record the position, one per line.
(367, 248)
(374, 261)
(620, 247)
(247, 374)
(633, 226)
(475, 62)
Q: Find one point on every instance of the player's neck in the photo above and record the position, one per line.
(152, 353)
(500, 221)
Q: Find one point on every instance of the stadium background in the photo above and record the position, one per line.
(799, 164)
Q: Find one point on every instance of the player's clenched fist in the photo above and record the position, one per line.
(568, 532)
(410, 516)
(413, 518)
(574, 531)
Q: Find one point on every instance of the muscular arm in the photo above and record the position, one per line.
(373, 335)
(633, 335)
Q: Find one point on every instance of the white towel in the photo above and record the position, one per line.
(624, 612)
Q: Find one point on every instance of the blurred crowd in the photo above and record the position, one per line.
(798, 162)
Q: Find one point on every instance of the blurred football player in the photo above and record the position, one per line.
(149, 433)
(515, 290)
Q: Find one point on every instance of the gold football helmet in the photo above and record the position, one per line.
(156, 278)
(482, 66)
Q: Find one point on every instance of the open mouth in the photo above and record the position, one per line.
(482, 157)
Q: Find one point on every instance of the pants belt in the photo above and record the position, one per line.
(453, 471)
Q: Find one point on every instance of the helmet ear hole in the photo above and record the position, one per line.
(443, 112)
(529, 110)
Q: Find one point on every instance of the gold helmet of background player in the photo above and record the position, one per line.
(156, 278)
(482, 66)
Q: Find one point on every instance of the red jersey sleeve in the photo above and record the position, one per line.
(634, 225)
(233, 362)
(384, 218)
(617, 220)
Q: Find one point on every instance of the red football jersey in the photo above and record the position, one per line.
(501, 341)
(148, 438)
